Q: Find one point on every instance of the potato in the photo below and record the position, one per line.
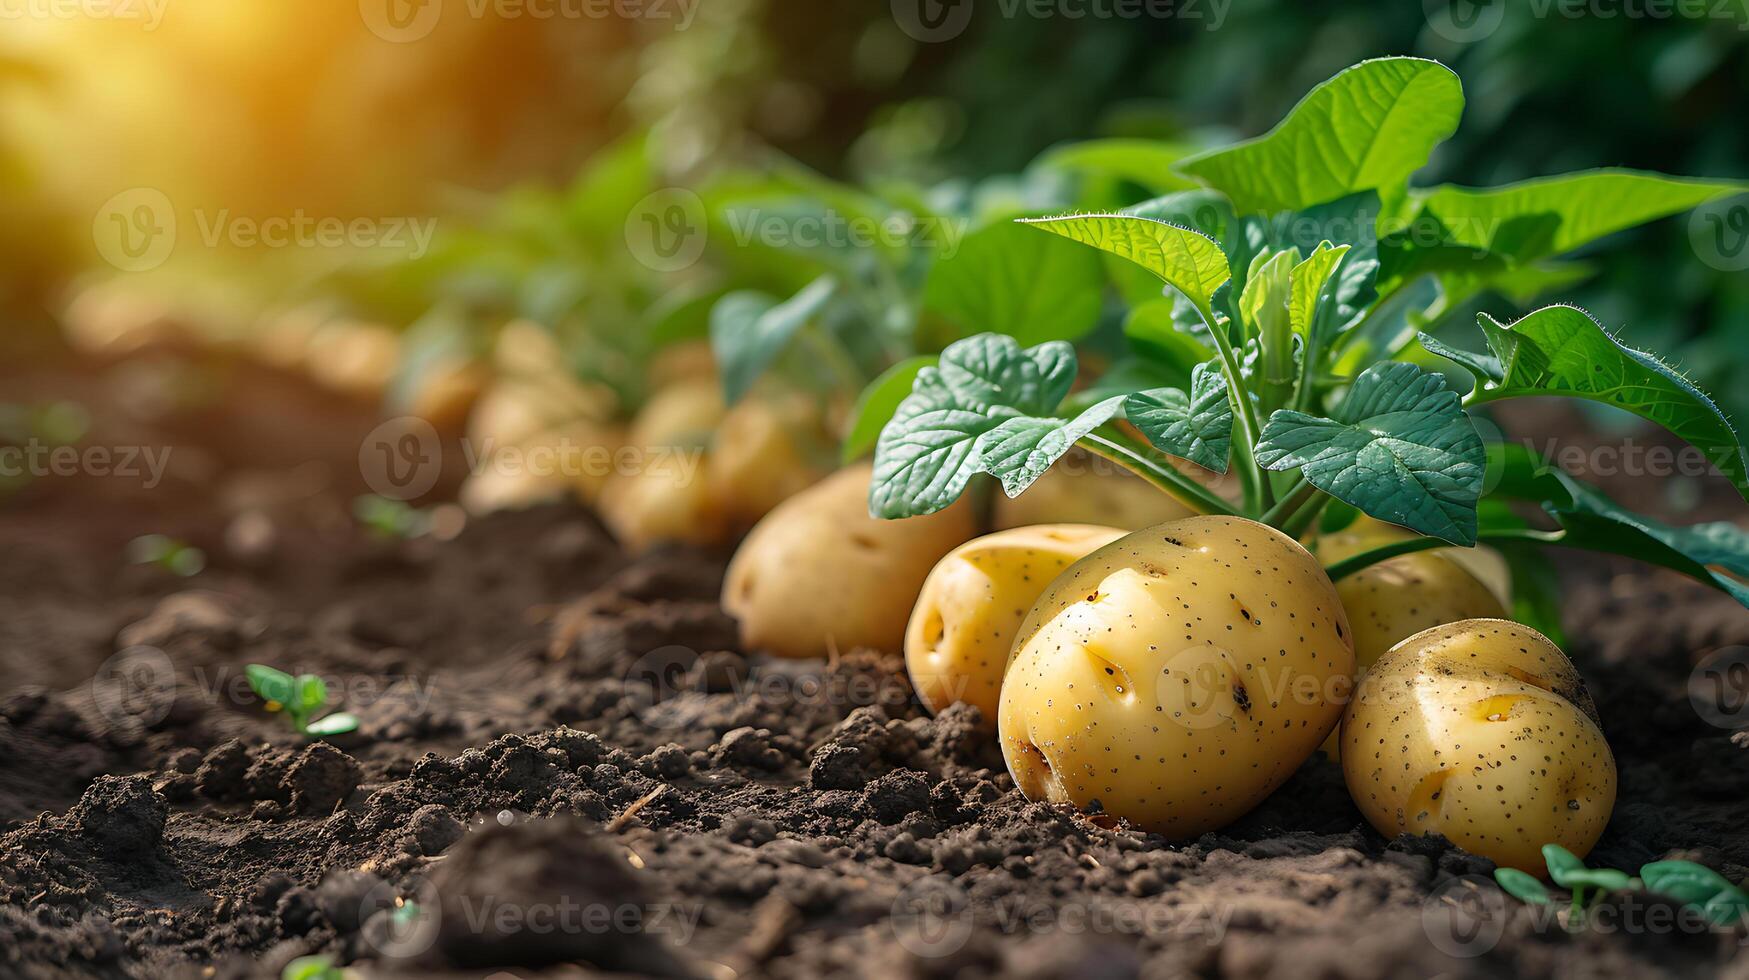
(572, 460)
(962, 630)
(1482, 731)
(445, 392)
(769, 448)
(354, 357)
(819, 574)
(664, 500)
(1177, 676)
(1079, 490)
(682, 414)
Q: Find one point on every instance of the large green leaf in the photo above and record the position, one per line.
(1561, 350)
(1550, 216)
(1145, 162)
(931, 449)
(1186, 260)
(1006, 279)
(1197, 426)
(1368, 128)
(749, 329)
(1018, 451)
(1351, 221)
(1312, 288)
(1399, 447)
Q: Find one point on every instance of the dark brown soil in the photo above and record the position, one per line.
(566, 765)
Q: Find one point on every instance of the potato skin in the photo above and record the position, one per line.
(818, 573)
(1482, 731)
(1177, 676)
(1396, 599)
(769, 448)
(962, 631)
(1077, 490)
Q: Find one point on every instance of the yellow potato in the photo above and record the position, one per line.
(819, 574)
(572, 460)
(354, 357)
(767, 449)
(682, 414)
(664, 498)
(1079, 490)
(963, 628)
(446, 392)
(1177, 676)
(1482, 731)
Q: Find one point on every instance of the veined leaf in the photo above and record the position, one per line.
(749, 329)
(1264, 307)
(1310, 287)
(1186, 260)
(1153, 330)
(931, 449)
(271, 685)
(1018, 451)
(1399, 447)
(875, 406)
(1561, 350)
(1003, 278)
(1351, 221)
(1197, 426)
(1550, 216)
(1368, 128)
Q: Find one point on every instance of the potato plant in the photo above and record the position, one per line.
(1297, 291)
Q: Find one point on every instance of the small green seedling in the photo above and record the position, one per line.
(1723, 903)
(175, 556)
(300, 698)
(391, 518)
(313, 968)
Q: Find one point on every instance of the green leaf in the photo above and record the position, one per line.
(1608, 879)
(1550, 216)
(1005, 279)
(1399, 447)
(1563, 864)
(931, 449)
(1537, 601)
(1188, 261)
(1310, 287)
(1561, 350)
(1595, 523)
(1521, 886)
(1368, 128)
(1352, 221)
(875, 406)
(270, 684)
(1264, 310)
(1695, 884)
(311, 968)
(1145, 162)
(338, 723)
(1197, 426)
(749, 329)
(1018, 451)
(311, 693)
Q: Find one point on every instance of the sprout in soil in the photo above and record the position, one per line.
(175, 556)
(1696, 885)
(299, 697)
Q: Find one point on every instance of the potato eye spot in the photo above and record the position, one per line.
(1500, 707)
(1530, 678)
(1426, 800)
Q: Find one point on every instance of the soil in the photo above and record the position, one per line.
(567, 767)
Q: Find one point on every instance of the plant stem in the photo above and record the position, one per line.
(1258, 494)
(1296, 525)
(1397, 549)
(1298, 494)
(1122, 451)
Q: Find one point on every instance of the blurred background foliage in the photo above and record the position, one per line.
(497, 123)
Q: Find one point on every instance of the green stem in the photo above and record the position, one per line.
(1296, 496)
(1296, 525)
(1258, 494)
(1397, 549)
(1122, 451)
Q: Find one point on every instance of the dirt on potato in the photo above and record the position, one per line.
(565, 766)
